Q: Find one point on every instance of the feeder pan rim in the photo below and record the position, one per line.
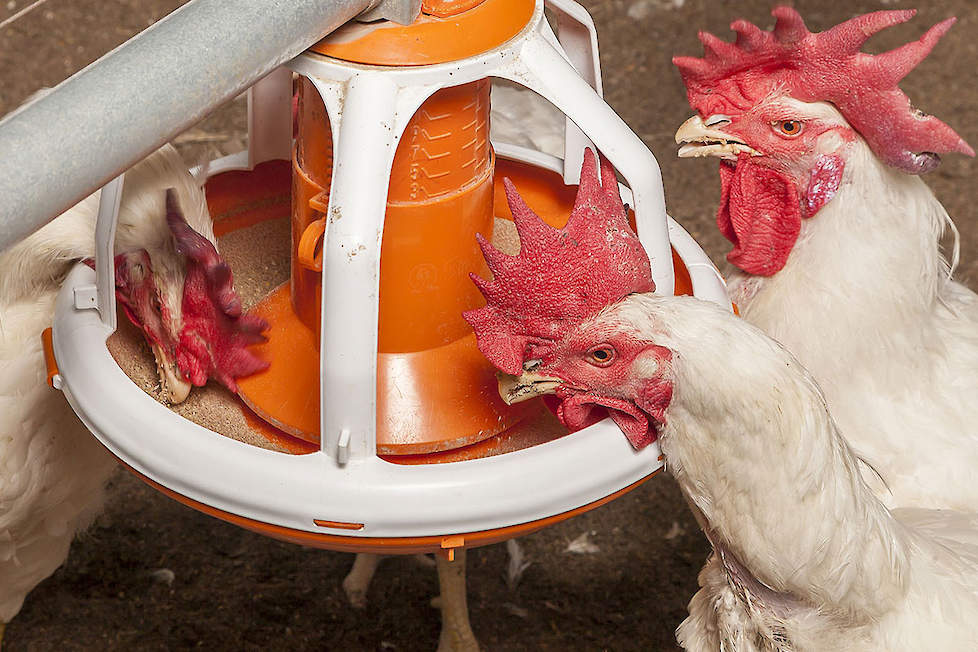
(390, 500)
(296, 491)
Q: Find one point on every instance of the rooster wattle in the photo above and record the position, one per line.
(837, 240)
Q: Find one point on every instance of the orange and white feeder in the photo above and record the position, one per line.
(392, 174)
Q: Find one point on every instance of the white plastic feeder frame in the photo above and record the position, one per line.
(346, 482)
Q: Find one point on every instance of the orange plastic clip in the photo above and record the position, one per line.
(47, 343)
(448, 546)
(342, 525)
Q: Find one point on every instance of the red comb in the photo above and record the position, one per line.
(560, 276)
(215, 335)
(203, 252)
(827, 66)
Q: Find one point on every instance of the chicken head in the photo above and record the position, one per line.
(538, 327)
(600, 368)
(184, 302)
(781, 108)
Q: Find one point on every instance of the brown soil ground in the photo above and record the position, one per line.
(234, 590)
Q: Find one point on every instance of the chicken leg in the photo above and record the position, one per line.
(357, 581)
(456, 632)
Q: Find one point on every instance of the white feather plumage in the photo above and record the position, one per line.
(866, 304)
(52, 470)
(806, 557)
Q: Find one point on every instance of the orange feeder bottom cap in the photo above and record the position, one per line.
(427, 401)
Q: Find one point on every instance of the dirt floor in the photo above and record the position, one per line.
(154, 575)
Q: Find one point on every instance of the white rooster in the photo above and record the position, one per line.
(172, 284)
(837, 239)
(805, 556)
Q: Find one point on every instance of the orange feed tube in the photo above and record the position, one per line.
(435, 391)
(440, 195)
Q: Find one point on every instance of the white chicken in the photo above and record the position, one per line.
(805, 556)
(837, 239)
(172, 284)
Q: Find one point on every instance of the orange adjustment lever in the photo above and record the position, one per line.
(310, 250)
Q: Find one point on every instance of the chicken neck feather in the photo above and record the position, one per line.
(866, 304)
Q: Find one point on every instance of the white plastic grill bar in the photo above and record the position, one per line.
(108, 216)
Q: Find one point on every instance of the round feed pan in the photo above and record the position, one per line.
(370, 505)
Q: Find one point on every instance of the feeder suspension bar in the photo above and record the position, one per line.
(97, 123)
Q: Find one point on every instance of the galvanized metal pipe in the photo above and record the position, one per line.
(60, 148)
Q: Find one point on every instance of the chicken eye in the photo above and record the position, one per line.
(601, 355)
(788, 127)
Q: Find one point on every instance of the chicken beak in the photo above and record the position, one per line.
(516, 389)
(697, 139)
(175, 387)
